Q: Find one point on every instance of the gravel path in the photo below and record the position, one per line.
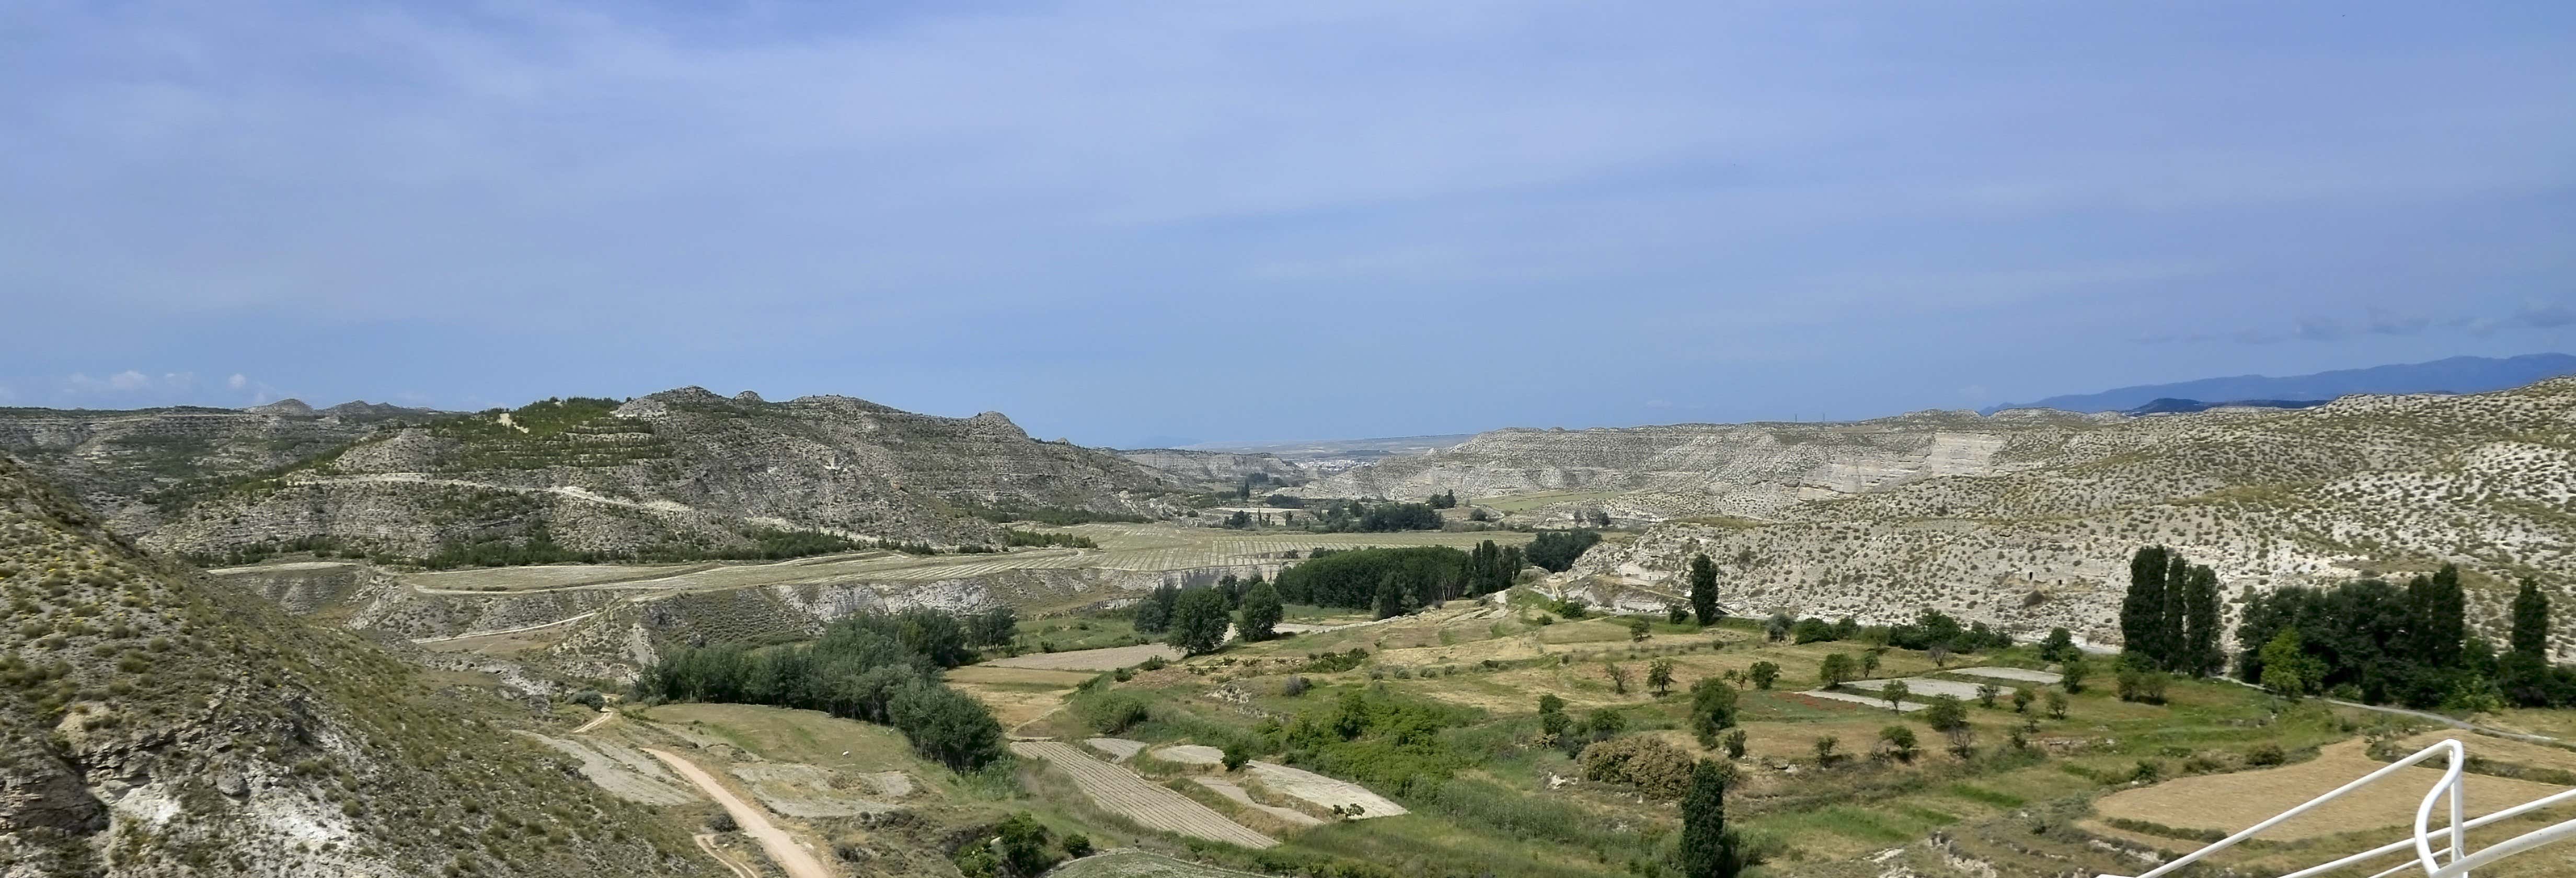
(1129, 795)
(794, 858)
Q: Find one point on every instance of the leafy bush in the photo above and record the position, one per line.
(1555, 550)
(1658, 769)
(1111, 711)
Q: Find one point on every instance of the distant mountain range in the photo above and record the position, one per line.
(2171, 406)
(2451, 375)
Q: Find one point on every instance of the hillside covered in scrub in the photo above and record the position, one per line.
(682, 474)
(2031, 531)
(153, 725)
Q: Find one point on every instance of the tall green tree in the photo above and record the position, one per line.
(1199, 619)
(1261, 611)
(1708, 848)
(2441, 623)
(2142, 609)
(2169, 634)
(2531, 621)
(1703, 589)
(1389, 602)
(2201, 655)
(1154, 613)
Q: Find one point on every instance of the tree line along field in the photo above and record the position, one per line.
(1130, 547)
(1491, 788)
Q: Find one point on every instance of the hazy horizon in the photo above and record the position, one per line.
(1121, 224)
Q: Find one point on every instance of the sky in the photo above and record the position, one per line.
(1143, 223)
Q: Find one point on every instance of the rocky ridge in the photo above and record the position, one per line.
(151, 725)
(683, 468)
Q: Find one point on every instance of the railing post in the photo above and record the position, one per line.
(2459, 806)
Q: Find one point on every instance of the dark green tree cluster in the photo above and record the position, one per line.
(878, 667)
(1491, 568)
(1935, 629)
(2370, 640)
(1556, 550)
(1445, 500)
(1012, 536)
(2170, 617)
(1154, 612)
(1349, 516)
(1391, 581)
(1199, 620)
(993, 627)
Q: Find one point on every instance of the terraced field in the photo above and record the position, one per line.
(1123, 792)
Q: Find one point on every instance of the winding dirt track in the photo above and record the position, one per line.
(605, 715)
(782, 849)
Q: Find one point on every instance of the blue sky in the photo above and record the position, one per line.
(1129, 222)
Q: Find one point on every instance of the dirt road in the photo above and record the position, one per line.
(782, 848)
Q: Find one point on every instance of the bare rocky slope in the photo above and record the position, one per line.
(2027, 517)
(152, 725)
(678, 471)
(1216, 469)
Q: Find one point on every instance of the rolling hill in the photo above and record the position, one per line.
(2027, 517)
(151, 724)
(682, 473)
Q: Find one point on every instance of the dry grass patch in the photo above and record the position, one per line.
(2230, 802)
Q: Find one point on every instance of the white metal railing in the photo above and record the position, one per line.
(2449, 861)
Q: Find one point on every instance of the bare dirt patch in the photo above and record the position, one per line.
(2229, 802)
(1190, 754)
(1119, 749)
(1123, 792)
(1105, 659)
(1227, 788)
(1320, 791)
(1859, 698)
(1132, 863)
(2499, 750)
(621, 770)
(1919, 687)
(805, 790)
(2018, 675)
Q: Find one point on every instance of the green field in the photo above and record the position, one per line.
(1482, 798)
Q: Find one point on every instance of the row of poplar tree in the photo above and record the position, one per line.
(2367, 640)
